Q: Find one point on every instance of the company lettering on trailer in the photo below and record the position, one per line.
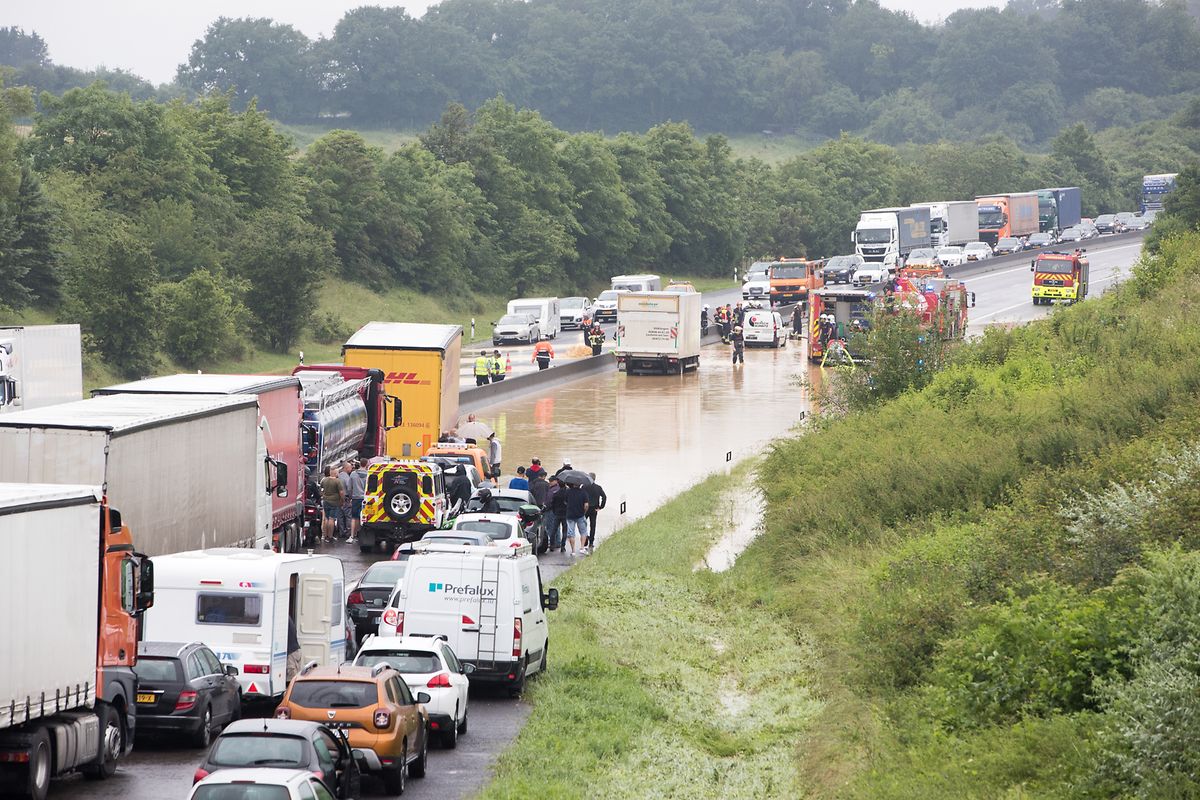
(405, 378)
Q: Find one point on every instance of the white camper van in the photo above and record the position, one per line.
(239, 602)
(543, 309)
(488, 602)
(637, 283)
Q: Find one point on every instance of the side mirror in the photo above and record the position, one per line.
(145, 595)
(231, 671)
(468, 669)
(281, 479)
(550, 600)
(972, 299)
(423, 697)
(1032, 264)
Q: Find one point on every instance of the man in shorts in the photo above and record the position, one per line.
(331, 504)
(358, 493)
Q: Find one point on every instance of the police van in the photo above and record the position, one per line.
(488, 602)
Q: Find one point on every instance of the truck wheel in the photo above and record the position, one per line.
(111, 745)
(37, 782)
(401, 503)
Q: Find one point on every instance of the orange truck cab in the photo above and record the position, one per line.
(1059, 276)
(792, 279)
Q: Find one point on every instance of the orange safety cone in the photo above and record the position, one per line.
(507, 363)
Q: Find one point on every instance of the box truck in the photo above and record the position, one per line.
(185, 470)
(420, 365)
(241, 603)
(40, 365)
(279, 411)
(1004, 216)
(658, 332)
(954, 222)
(71, 587)
(890, 234)
(1059, 209)
(543, 309)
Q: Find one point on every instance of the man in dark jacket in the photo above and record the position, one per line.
(556, 514)
(539, 488)
(597, 500)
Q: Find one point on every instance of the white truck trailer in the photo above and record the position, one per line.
(71, 587)
(953, 222)
(187, 471)
(658, 332)
(40, 365)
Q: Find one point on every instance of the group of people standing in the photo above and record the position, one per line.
(570, 506)
(490, 369)
(343, 489)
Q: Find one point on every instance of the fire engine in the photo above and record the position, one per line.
(1059, 276)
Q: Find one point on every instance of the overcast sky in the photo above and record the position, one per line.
(152, 37)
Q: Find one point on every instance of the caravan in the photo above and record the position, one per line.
(239, 603)
(545, 311)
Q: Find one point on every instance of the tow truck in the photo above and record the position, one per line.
(793, 279)
(1059, 276)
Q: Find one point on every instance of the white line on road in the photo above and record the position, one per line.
(1026, 302)
(985, 276)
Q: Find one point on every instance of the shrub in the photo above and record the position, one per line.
(328, 329)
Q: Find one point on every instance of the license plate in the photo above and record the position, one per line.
(146, 697)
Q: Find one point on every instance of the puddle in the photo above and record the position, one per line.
(739, 513)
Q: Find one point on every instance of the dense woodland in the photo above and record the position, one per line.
(721, 65)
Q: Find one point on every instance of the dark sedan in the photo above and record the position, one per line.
(183, 689)
(286, 744)
(368, 597)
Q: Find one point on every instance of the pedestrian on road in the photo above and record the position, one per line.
(293, 652)
(539, 488)
(596, 339)
(556, 514)
(519, 482)
(577, 514)
(483, 369)
(597, 500)
(566, 466)
(460, 489)
(535, 467)
(739, 346)
(494, 452)
(797, 320)
(497, 367)
(358, 493)
(543, 351)
(344, 520)
(704, 321)
(331, 503)
(739, 315)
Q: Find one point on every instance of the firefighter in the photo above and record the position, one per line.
(797, 321)
(704, 320)
(723, 322)
(596, 339)
(483, 369)
(739, 315)
(739, 345)
(542, 353)
(497, 367)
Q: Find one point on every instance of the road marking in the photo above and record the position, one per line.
(987, 275)
(1117, 274)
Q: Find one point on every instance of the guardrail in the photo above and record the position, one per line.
(476, 397)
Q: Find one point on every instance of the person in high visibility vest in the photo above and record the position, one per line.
(483, 366)
(596, 339)
(543, 351)
(497, 367)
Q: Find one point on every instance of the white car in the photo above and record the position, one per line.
(764, 327)
(572, 311)
(951, 256)
(428, 665)
(516, 328)
(873, 272)
(757, 285)
(261, 784)
(499, 528)
(606, 305)
(977, 251)
(924, 257)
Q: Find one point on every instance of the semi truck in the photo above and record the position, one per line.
(952, 223)
(1004, 216)
(279, 410)
(187, 471)
(1155, 189)
(72, 587)
(1059, 209)
(40, 365)
(420, 365)
(1059, 276)
(890, 234)
(658, 332)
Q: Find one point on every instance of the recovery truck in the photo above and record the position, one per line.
(658, 332)
(1004, 216)
(1059, 276)
(792, 279)
(72, 587)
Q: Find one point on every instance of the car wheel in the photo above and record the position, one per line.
(545, 665)
(203, 735)
(518, 687)
(37, 781)
(462, 725)
(112, 745)
(236, 714)
(417, 768)
(393, 779)
(450, 737)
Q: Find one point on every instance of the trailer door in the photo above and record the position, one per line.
(314, 617)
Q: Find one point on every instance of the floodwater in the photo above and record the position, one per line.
(648, 438)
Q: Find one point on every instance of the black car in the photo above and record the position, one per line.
(183, 689)
(286, 744)
(841, 269)
(369, 596)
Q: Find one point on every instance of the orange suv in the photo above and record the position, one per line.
(388, 729)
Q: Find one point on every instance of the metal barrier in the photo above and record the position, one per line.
(476, 397)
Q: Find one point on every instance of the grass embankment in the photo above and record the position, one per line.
(661, 683)
(998, 572)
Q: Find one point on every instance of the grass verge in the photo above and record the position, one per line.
(661, 682)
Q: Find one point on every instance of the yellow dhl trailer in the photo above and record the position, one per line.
(420, 365)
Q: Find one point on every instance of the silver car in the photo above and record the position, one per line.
(516, 328)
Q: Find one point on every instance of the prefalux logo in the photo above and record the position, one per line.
(462, 591)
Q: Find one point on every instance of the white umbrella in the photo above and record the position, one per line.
(479, 431)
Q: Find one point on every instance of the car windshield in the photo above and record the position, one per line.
(874, 235)
(258, 750)
(157, 670)
(494, 530)
(241, 791)
(401, 660)
(334, 694)
(789, 271)
(513, 319)
(1040, 237)
(385, 573)
(1010, 243)
(572, 302)
(920, 252)
(975, 246)
(843, 262)
(1056, 266)
(1104, 219)
(950, 251)
(609, 294)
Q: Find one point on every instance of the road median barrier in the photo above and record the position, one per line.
(476, 397)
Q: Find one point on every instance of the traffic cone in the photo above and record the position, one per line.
(507, 363)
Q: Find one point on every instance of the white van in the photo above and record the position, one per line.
(239, 602)
(764, 327)
(544, 309)
(637, 283)
(489, 604)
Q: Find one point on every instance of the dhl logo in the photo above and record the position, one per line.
(405, 378)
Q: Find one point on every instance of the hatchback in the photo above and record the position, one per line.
(183, 689)
(262, 784)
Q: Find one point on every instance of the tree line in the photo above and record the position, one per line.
(197, 230)
(727, 65)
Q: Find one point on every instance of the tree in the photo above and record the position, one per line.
(283, 260)
(20, 49)
(604, 211)
(202, 319)
(1184, 203)
(37, 242)
(1076, 160)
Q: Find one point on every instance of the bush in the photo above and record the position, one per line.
(202, 319)
(328, 329)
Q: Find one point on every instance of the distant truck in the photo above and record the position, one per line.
(1004, 216)
(658, 332)
(1155, 189)
(187, 471)
(72, 587)
(544, 309)
(637, 283)
(420, 365)
(952, 223)
(279, 412)
(40, 365)
(890, 234)
(1059, 209)
(1059, 276)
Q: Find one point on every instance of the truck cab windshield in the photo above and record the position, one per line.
(992, 219)
(1056, 267)
(874, 236)
(789, 272)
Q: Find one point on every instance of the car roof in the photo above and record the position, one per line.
(428, 643)
(266, 775)
(286, 727)
(507, 492)
(164, 649)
